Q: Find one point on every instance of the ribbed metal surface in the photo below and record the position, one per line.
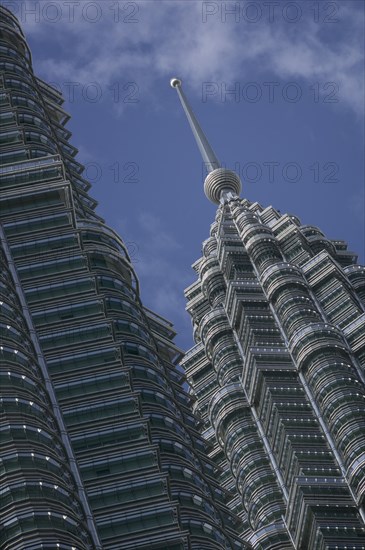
(277, 373)
(221, 181)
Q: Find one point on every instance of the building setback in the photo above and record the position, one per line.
(99, 447)
(278, 314)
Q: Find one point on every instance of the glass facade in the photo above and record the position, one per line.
(277, 371)
(99, 445)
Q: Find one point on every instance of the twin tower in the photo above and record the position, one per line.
(102, 446)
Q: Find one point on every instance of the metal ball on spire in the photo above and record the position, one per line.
(174, 82)
(219, 182)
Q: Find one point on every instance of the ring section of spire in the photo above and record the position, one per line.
(221, 181)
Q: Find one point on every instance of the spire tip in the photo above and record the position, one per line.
(175, 82)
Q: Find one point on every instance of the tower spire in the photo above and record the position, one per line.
(209, 157)
(219, 180)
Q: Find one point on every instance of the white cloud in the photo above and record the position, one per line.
(153, 252)
(171, 38)
(157, 238)
(355, 204)
(158, 269)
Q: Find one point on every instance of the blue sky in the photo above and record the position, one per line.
(292, 124)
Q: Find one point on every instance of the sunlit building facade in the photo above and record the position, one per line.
(278, 313)
(99, 446)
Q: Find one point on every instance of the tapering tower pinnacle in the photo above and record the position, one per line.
(219, 180)
(277, 372)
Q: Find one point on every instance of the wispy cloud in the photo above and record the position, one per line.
(157, 267)
(154, 256)
(355, 204)
(174, 37)
(156, 237)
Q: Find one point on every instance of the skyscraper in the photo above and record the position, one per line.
(99, 446)
(278, 313)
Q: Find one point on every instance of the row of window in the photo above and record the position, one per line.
(127, 493)
(112, 408)
(45, 200)
(124, 463)
(6, 51)
(39, 174)
(93, 384)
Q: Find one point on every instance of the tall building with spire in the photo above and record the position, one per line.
(277, 371)
(99, 447)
